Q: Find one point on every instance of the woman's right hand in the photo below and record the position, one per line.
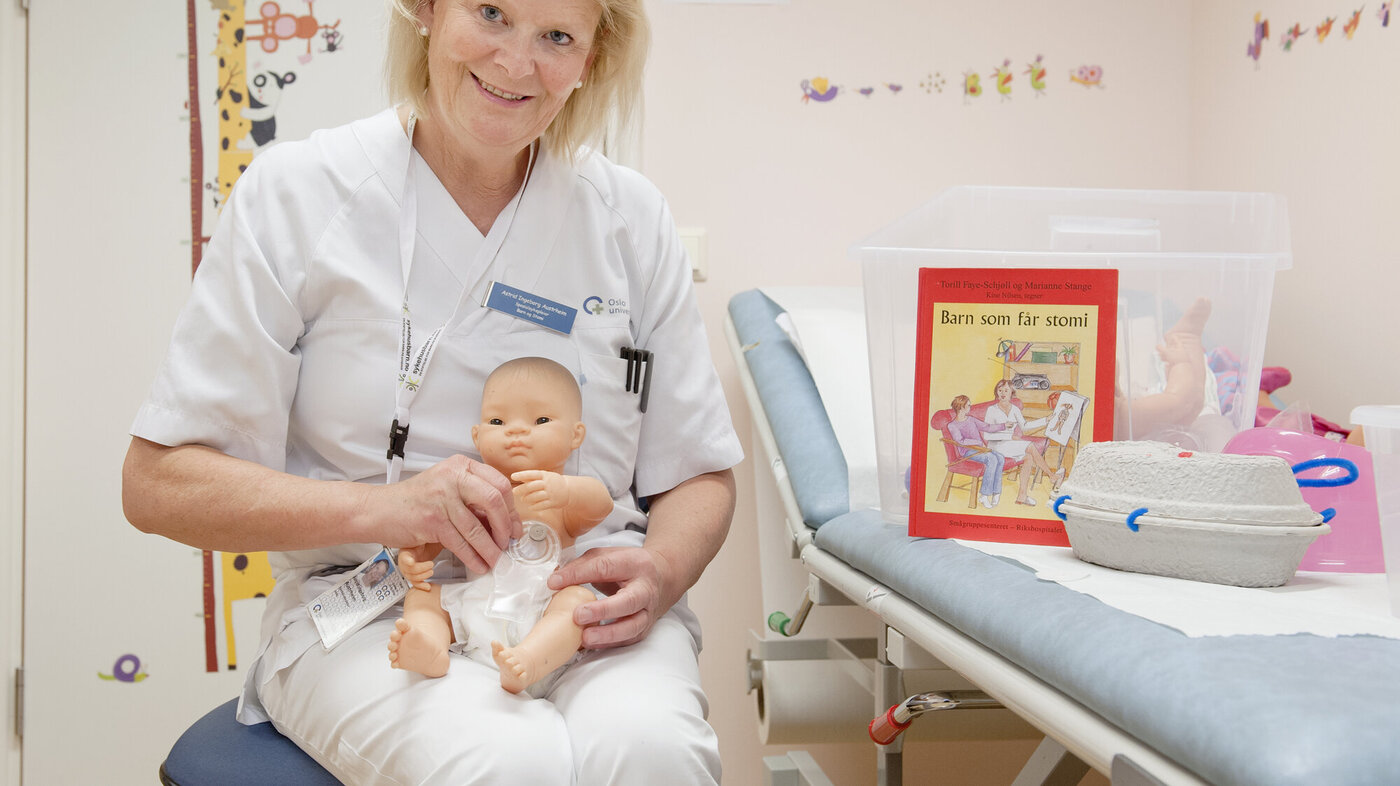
(463, 504)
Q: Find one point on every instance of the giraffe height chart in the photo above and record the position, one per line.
(261, 73)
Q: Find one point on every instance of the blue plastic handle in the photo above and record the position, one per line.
(1353, 472)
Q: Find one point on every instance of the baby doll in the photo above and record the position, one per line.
(531, 412)
(1183, 397)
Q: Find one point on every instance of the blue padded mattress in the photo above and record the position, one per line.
(1246, 710)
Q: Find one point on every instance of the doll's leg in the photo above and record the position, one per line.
(636, 714)
(374, 726)
(1183, 396)
(421, 637)
(553, 640)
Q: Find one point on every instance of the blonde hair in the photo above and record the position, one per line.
(613, 84)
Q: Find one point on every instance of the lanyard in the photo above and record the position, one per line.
(413, 365)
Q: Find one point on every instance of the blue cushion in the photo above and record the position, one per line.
(808, 445)
(219, 751)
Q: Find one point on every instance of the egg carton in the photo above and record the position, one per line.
(1242, 555)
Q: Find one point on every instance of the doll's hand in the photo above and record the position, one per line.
(633, 578)
(416, 564)
(541, 489)
(1179, 348)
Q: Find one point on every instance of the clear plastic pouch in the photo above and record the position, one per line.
(521, 592)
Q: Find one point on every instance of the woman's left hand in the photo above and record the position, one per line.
(633, 578)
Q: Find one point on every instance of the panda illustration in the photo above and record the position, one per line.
(264, 93)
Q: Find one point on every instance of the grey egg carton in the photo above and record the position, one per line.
(1242, 555)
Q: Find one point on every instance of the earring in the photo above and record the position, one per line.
(423, 31)
(580, 84)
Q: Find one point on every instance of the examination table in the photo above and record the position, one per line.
(1135, 699)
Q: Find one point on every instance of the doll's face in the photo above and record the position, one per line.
(527, 423)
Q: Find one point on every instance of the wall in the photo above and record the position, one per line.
(1317, 124)
(783, 187)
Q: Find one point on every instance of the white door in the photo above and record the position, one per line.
(117, 624)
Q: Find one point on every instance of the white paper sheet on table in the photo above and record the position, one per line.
(1323, 604)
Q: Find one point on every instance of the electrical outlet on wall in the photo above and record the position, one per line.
(693, 238)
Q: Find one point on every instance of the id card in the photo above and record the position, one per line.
(360, 596)
(532, 308)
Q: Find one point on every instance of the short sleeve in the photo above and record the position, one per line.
(230, 372)
(687, 430)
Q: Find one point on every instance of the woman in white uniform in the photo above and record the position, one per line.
(344, 291)
(1012, 443)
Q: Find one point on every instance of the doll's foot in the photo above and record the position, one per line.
(1058, 478)
(996, 500)
(985, 500)
(518, 670)
(1026, 500)
(412, 650)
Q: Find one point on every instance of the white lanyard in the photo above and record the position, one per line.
(413, 366)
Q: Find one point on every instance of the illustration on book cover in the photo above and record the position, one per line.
(1011, 366)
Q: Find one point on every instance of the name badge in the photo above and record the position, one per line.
(360, 596)
(531, 308)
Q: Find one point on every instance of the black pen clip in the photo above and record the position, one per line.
(638, 380)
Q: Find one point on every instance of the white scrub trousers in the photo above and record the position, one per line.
(634, 715)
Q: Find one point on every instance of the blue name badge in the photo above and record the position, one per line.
(531, 308)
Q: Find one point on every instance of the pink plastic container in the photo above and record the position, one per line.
(1354, 545)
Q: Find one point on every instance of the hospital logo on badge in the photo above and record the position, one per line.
(613, 305)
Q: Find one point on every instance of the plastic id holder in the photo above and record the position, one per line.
(360, 596)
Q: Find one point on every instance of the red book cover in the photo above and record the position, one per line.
(1015, 370)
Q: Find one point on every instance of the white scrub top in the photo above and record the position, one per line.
(286, 352)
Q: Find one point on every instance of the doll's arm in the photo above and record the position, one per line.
(416, 564)
(585, 501)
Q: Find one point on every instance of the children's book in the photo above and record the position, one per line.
(1014, 372)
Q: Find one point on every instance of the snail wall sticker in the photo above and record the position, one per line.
(126, 669)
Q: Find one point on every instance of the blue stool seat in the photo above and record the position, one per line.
(219, 751)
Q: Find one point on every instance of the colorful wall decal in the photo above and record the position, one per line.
(933, 82)
(818, 89)
(243, 577)
(1036, 71)
(1291, 36)
(1261, 33)
(1324, 28)
(972, 85)
(1349, 27)
(126, 669)
(1087, 75)
(1003, 79)
(1295, 35)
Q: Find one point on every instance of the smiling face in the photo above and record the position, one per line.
(1003, 392)
(499, 72)
(530, 418)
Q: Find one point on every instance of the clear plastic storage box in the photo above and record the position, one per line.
(1381, 427)
(1170, 247)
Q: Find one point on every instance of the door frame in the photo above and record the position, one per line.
(14, 34)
